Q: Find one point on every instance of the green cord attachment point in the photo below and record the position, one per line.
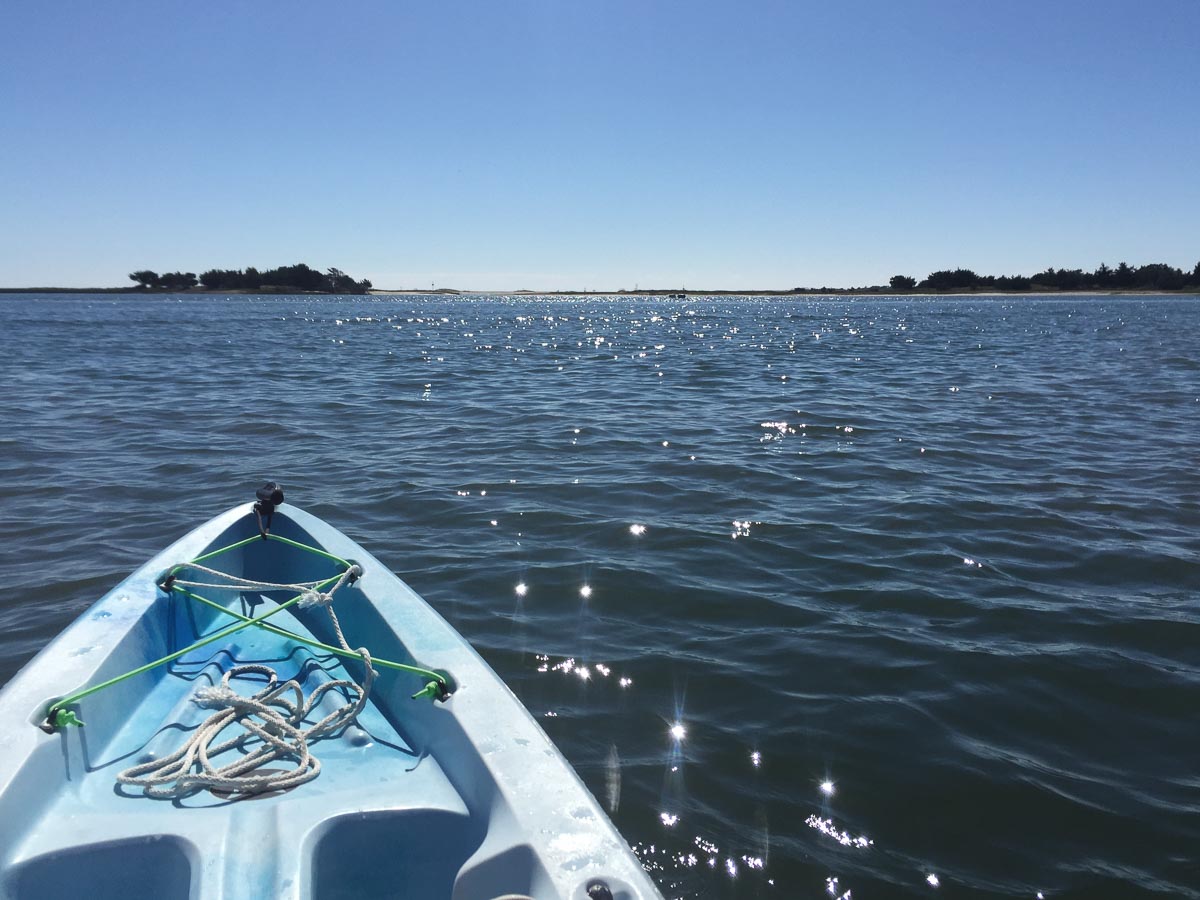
(61, 718)
(65, 717)
(434, 690)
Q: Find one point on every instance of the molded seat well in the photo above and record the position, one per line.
(154, 868)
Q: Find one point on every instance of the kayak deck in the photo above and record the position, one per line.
(461, 799)
(378, 819)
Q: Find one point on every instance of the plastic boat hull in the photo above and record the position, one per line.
(465, 798)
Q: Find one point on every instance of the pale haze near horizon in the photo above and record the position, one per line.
(600, 146)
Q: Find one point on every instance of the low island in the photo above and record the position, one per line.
(1153, 278)
(286, 279)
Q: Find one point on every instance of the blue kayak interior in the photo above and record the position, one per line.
(381, 819)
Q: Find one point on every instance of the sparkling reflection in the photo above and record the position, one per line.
(827, 828)
(583, 671)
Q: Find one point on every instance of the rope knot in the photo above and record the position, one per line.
(372, 673)
(315, 598)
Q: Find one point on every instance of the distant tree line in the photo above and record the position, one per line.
(1153, 277)
(299, 277)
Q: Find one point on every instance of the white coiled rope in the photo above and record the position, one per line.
(274, 715)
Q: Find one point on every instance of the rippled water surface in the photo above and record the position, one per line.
(822, 597)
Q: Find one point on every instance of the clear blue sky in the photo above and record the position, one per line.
(597, 143)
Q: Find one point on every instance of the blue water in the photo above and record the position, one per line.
(887, 591)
